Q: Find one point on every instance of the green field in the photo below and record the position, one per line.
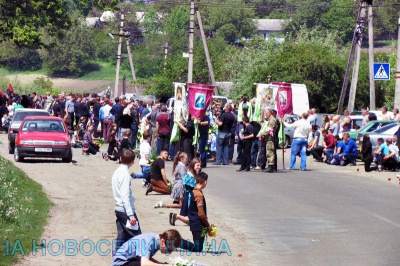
(24, 210)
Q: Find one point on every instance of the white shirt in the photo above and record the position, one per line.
(302, 128)
(106, 110)
(122, 192)
(145, 149)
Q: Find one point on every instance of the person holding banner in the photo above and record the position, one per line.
(204, 125)
(187, 133)
(224, 123)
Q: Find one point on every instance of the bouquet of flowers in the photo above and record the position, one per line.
(100, 142)
(213, 232)
(178, 261)
(169, 184)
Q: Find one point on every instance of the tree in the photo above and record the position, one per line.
(22, 21)
(70, 55)
(341, 18)
(306, 14)
(231, 20)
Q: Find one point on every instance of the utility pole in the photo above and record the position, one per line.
(397, 73)
(354, 78)
(371, 58)
(209, 63)
(191, 36)
(128, 47)
(121, 33)
(349, 64)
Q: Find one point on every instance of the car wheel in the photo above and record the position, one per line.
(68, 159)
(10, 148)
(17, 158)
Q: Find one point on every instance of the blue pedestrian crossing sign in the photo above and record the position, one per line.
(381, 71)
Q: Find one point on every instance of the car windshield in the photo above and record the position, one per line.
(36, 125)
(19, 116)
(386, 128)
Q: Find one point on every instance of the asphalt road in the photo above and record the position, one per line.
(329, 215)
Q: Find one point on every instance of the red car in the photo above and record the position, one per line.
(41, 136)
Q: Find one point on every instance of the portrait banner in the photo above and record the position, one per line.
(180, 104)
(283, 99)
(200, 96)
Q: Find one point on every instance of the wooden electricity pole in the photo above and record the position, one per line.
(349, 64)
(121, 33)
(128, 47)
(209, 63)
(354, 78)
(371, 58)
(191, 36)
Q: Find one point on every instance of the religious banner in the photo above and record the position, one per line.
(200, 96)
(284, 99)
(180, 104)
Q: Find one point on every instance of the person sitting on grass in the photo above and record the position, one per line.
(178, 190)
(158, 178)
(139, 250)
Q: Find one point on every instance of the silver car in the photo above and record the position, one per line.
(18, 116)
(384, 132)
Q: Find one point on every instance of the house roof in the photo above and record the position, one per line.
(90, 22)
(269, 24)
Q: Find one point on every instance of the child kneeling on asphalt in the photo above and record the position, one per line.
(139, 250)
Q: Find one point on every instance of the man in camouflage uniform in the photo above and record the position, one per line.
(269, 138)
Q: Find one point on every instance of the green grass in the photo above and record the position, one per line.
(383, 43)
(7, 71)
(105, 71)
(24, 209)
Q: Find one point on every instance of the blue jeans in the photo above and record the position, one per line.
(202, 149)
(298, 144)
(255, 148)
(134, 132)
(223, 147)
(329, 154)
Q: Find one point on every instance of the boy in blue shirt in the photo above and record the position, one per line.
(380, 152)
(197, 212)
(139, 250)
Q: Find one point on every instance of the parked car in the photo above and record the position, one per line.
(384, 132)
(40, 136)
(18, 116)
(371, 126)
(290, 119)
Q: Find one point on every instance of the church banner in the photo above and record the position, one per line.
(283, 99)
(200, 96)
(180, 105)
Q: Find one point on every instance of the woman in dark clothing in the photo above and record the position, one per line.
(366, 150)
(89, 145)
(187, 132)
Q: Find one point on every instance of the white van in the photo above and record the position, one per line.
(299, 97)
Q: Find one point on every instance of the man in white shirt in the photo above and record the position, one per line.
(124, 200)
(302, 129)
(145, 153)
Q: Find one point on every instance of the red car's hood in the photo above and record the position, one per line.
(46, 136)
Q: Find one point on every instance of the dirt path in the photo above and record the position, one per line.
(64, 83)
(83, 212)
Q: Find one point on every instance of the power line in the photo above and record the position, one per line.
(253, 5)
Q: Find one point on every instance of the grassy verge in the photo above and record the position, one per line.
(105, 71)
(24, 209)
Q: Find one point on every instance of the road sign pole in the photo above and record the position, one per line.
(397, 73)
(371, 59)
